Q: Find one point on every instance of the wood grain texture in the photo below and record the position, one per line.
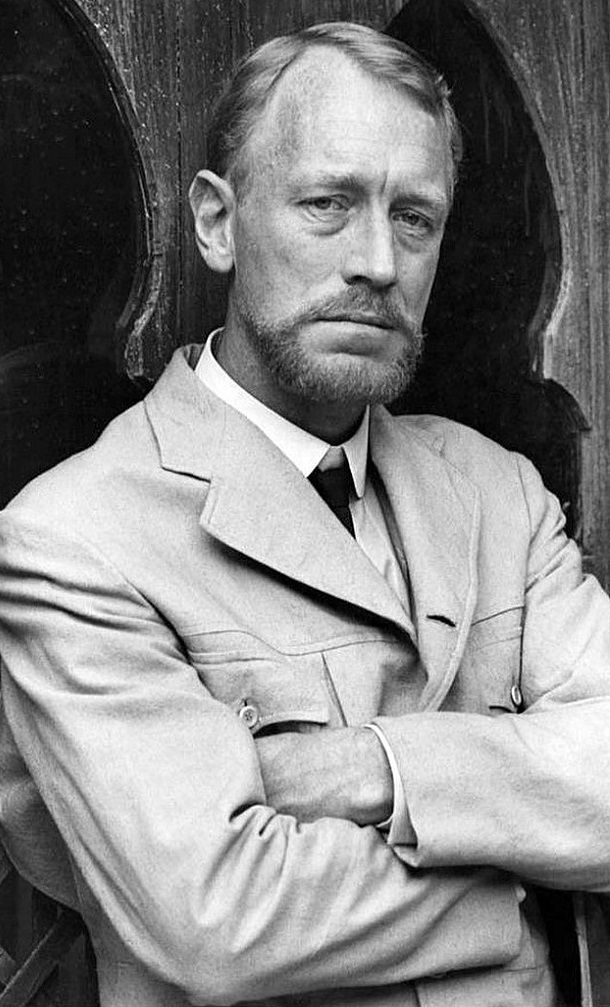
(559, 52)
(138, 43)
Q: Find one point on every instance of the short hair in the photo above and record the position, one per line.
(241, 106)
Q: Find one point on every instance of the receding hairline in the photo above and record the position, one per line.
(258, 78)
(279, 123)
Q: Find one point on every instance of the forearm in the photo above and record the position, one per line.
(203, 883)
(341, 773)
(529, 794)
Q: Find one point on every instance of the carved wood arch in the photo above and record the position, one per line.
(559, 57)
(147, 279)
(501, 272)
(171, 60)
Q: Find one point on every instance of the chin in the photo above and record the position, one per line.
(346, 378)
(291, 354)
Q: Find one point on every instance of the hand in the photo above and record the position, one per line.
(341, 773)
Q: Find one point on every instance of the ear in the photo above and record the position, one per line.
(213, 204)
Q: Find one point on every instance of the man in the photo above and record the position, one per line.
(294, 753)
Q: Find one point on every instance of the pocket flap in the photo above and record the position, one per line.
(266, 692)
(495, 628)
(489, 677)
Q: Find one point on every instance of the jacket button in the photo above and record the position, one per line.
(249, 714)
(517, 698)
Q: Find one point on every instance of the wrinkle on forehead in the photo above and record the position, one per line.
(313, 90)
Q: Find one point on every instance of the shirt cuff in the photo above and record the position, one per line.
(399, 822)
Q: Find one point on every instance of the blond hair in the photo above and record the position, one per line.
(242, 104)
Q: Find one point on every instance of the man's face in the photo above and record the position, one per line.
(336, 237)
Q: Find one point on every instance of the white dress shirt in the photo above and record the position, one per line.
(307, 452)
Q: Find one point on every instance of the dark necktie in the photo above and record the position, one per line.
(334, 486)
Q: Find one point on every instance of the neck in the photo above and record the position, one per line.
(333, 422)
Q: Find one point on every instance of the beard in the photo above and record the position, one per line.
(340, 377)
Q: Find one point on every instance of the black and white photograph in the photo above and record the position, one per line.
(304, 503)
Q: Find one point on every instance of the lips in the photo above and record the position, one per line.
(359, 319)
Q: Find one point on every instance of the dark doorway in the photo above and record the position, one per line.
(71, 240)
(500, 267)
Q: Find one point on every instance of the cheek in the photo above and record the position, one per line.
(288, 268)
(263, 248)
(416, 278)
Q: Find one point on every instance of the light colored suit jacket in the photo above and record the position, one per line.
(181, 568)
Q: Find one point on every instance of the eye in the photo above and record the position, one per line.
(414, 220)
(325, 206)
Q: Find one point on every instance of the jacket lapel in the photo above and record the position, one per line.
(258, 503)
(436, 512)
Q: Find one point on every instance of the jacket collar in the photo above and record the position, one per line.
(303, 448)
(260, 505)
(187, 422)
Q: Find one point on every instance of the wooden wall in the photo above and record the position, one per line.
(559, 52)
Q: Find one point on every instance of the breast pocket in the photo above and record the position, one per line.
(489, 678)
(269, 694)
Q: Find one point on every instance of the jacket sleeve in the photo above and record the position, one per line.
(527, 792)
(156, 791)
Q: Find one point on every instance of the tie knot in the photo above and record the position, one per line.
(334, 484)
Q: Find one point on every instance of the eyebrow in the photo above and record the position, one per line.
(432, 198)
(326, 180)
(333, 178)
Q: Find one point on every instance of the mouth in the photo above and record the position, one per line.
(360, 319)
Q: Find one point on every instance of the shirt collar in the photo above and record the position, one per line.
(303, 449)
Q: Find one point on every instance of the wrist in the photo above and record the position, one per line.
(373, 796)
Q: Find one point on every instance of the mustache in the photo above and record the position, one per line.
(358, 304)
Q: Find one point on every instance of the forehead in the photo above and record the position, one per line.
(327, 113)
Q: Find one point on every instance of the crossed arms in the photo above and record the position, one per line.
(140, 767)
(528, 793)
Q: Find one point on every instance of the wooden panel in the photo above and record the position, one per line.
(559, 52)
(139, 43)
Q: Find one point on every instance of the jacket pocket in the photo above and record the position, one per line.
(374, 677)
(269, 694)
(489, 677)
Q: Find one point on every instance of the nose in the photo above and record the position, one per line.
(371, 254)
